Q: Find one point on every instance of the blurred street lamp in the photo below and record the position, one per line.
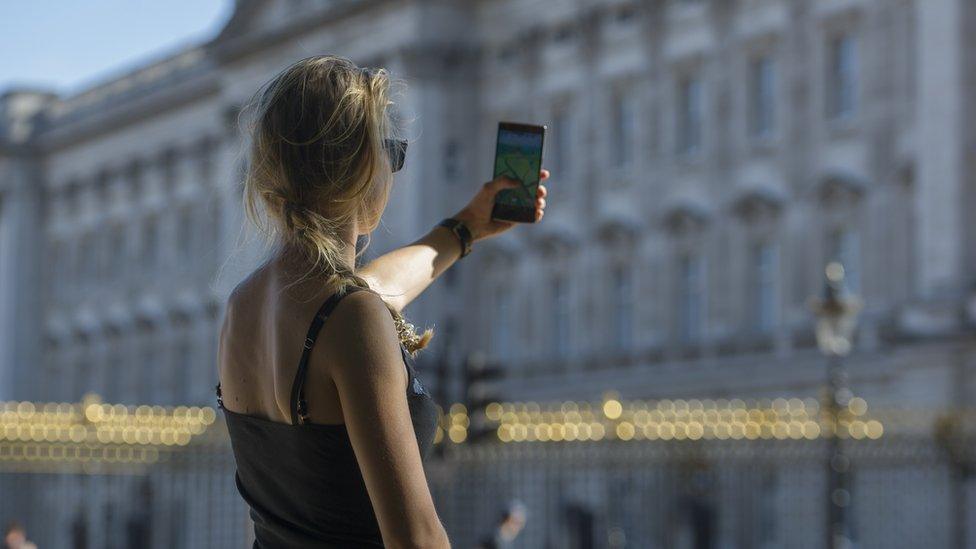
(481, 379)
(836, 313)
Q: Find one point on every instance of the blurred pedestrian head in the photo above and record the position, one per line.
(513, 510)
(513, 517)
(14, 536)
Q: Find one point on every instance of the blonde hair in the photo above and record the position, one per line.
(318, 163)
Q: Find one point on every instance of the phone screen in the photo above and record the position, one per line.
(518, 154)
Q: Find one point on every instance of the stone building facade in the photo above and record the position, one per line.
(708, 159)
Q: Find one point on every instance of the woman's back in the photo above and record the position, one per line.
(297, 466)
(261, 343)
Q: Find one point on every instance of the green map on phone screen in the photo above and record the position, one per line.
(519, 156)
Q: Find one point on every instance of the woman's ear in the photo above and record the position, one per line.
(373, 208)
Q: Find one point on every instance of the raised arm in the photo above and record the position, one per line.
(363, 358)
(403, 274)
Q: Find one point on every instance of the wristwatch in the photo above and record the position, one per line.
(461, 231)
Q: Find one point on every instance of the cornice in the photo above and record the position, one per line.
(229, 46)
(127, 112)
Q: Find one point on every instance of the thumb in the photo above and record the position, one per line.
(501, 182)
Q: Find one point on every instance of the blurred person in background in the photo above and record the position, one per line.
(15, 537)
(510, 523)
(328, 420)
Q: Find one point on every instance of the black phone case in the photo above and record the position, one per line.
(508, 212)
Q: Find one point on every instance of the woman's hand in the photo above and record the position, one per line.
(477, 214)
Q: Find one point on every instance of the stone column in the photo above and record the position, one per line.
(117, 260)
(21, 242)
(152, 195)
(130, 193)
(941, 127)
(206, 213)
(169, 248)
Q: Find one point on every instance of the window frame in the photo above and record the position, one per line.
(841, 75)
(690, 123)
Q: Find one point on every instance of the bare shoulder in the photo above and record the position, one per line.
(241, 330)
(360, 331)
(248, 291)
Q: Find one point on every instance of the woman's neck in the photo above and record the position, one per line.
(295, 261)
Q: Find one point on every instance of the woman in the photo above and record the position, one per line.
(327, 418)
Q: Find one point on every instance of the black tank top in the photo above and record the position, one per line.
(301, 480)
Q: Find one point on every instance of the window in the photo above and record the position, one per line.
(112, 377)
(150, 241)
(692, 298)
(560, 337)
(623, 308)
(212, 220)
(560, 134)
(181, 388)
(625, 14)
(842, 77)
(563, 34)
(690, 113)
(56, 276)
(844, 247)
(507, 54)
(501, 329)
(101, 266)
(83, 377)
(765, 261)
(763, 96)
(184, 234)
(86, 258)
(117, 252)
(624, 129)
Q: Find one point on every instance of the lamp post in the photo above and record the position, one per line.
(836, 311)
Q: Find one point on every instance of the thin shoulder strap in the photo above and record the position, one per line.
(299, 407)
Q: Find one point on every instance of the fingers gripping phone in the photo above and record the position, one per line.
(518, 155)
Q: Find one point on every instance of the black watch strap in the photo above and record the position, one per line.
(461, 231)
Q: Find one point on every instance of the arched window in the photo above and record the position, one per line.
(560, 150)
(113, 373)
(759, 206)
(183, 368)
(691, 302)
(623, 135)
(84, 380)
(622, 307)
(691, 114)
(85, 266)
(844, 246)
(117, 257)
(501, 322)
(150, 241)
(560, 340)
(765, 278)
(762, 96)
(841, 76)
(185, 236)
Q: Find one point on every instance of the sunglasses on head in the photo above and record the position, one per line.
(396, 149)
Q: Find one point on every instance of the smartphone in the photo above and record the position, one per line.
(518, 154)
